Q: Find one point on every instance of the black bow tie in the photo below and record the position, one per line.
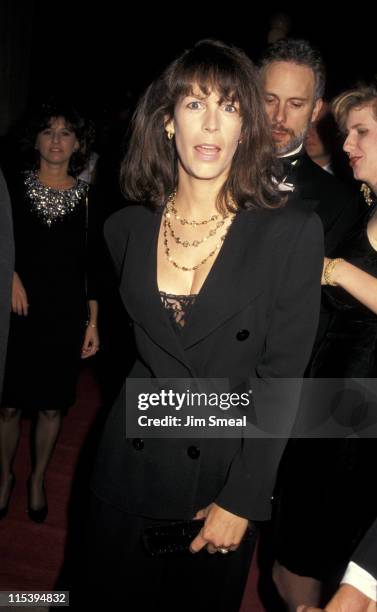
(290, 162)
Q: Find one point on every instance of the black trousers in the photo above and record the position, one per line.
(121, 575)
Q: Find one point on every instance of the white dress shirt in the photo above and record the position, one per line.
(359, 578)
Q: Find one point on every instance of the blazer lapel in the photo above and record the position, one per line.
(228, 286)
(235, 279)
(140, 290)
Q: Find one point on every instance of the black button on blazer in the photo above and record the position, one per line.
(243, 334)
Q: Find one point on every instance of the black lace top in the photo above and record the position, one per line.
(178, 307)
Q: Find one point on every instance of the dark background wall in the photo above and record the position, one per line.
(96, 53)
(16, 31)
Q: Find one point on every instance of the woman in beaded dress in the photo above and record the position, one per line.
(325, 508)
(54, 292)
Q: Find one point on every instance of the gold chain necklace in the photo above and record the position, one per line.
(203, 261)
(169, 209)
(172, 209)
(194, 243)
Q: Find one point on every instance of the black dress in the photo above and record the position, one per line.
(56, 260)
(326, 491)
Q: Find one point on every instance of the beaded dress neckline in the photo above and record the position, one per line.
(51, 204)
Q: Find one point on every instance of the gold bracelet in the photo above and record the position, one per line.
(329, 269)
(91, 324)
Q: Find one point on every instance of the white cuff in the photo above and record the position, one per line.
(359, 578)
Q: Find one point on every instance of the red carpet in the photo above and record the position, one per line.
(32, 555)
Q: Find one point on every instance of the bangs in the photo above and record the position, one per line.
(47, 120)
(207, 81)
(355, 99)
(208, 72)
(210, 67)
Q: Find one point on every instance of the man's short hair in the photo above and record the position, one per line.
(298, 52)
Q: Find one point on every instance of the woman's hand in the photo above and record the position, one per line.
(91, 342)
(221, 530)
(20, 304)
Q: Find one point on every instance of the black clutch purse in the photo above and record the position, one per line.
(167, 538)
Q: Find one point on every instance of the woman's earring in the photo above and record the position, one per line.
(367, 193)
(170, 135)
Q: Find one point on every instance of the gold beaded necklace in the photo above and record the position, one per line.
(186, 243)
(172, 209)
(194, 243)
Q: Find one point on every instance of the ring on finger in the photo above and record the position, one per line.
(223, 551)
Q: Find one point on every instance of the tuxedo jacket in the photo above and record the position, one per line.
(265, 283)
(366, 553)
(6, 271)
(335, 204)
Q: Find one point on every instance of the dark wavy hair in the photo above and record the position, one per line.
(299, 52)
(41, 118)
(149, 171)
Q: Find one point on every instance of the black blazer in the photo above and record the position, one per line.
(337, 205)
(266, 280)
(6, 271)
(366, 553)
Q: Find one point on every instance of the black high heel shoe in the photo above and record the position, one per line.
(4, 511)
(38, 516)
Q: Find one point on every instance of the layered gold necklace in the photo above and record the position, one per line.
(171, 211)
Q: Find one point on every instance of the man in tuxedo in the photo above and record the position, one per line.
(6, 271)
(358, 590)
(293, 77)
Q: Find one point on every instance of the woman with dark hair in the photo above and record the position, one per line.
(53, 295)
(220, 280)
